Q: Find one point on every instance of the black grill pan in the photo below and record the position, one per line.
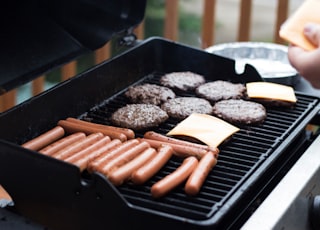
(55, 194)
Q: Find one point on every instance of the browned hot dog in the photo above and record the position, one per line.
(198, 176)
(128, 132)
(82, 159)
(78, 146)
(179, 150)
(44, 139)
(169, 182)
(123, 173)
(71, 127)
(123, 158)
(62, 143)
(149, 169)
(159, 137)
(97, 163)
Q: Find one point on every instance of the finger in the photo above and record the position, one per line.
(304, 62)
(294, 55)
(312, 32)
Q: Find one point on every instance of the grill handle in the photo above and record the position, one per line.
(315, 213)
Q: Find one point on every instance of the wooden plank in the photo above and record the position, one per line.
(68, 70)
(38, 85)
(171, 19)
(208, 23)
(139, 31)
(245, 20)
(103, 53)
(282, 15)
(8, 100)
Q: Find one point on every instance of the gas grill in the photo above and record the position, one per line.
(56, 195)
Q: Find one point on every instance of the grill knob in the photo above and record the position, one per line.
(315, 213)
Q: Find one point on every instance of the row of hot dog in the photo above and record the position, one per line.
(120, 156)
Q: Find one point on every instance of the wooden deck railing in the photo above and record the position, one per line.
(170, 31)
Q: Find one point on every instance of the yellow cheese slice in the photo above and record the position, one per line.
(271, 91)
(206, 128)
(292, 29)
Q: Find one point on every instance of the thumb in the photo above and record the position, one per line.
(312, 32)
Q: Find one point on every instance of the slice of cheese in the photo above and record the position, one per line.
(208, 129)
(271, 91)
(292, 29)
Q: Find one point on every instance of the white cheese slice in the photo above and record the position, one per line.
(206, 128)
(271, 91)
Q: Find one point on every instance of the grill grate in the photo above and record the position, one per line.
(238, 158)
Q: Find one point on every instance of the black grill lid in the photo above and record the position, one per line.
(39, 35)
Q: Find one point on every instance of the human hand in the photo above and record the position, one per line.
(307, 63)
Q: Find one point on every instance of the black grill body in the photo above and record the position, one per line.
(55, 194)
(40, 35)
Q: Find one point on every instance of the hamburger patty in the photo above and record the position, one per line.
(183, 81)
(182, 107)
(238, 111)
(221, 90)
(149, 94)
(139, 116)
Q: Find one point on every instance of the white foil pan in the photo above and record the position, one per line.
(269, 59)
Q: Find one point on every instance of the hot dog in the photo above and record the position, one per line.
(149, 169)
(128, 132)
(169, 182)
(82, 159)
(198, 176)
(123, 173)
(78, 146)
(62, 143)
(123, 158)
(97, 163)
(71, 127)
(44, 139)
(179, 150)
(159, 137)
(93, 147)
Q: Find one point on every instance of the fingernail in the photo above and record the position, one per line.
(308, 28)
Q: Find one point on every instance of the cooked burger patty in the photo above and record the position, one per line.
(182, 107)
(221, 90)
(238, 111)
(183, 81)
(149, 94)
(139, 116)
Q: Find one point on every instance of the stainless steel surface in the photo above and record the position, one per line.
(269, 59)
(288, 205)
